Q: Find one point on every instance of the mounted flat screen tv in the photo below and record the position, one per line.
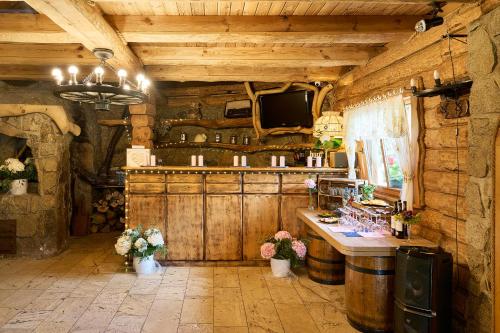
(288, 109)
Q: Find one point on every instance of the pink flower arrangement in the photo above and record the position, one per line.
(310, 183)
(267, 250)
(300, 248)
(280, 235)
(283, 246)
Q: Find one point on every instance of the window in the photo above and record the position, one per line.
(382, 159)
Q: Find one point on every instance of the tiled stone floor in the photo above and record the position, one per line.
(84, 290)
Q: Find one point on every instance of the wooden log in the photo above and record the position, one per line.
(263, 29)
(146, 108)
(445, 137)
(210, 123)
(446, 160)
(325, 264)
(142, 120)
(212, 100)
(142, 133)
(445, 182)
(369, 292)
(91, 29)
(113, 122)
(445, 203)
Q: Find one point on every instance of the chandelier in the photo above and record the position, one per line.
(331, 124)
(93, 90)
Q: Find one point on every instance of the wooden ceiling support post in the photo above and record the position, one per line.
(142, 120)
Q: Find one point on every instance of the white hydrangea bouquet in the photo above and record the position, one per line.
(140, 244)
(13, 169)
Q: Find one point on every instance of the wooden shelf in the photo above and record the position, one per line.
(241, 148)
(210, 123)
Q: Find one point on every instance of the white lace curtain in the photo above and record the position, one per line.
(382, 119)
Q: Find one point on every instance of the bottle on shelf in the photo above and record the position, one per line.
(399, 223)
(393, 218)
(405, 226)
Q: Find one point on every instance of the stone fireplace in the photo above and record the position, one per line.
(42, 216)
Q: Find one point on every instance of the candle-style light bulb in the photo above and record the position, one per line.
(57, 75)
(99, 73)
(122, 75)
(413, 85)
(72, 70)
(145, 85)
(437, 78)
(139, 78)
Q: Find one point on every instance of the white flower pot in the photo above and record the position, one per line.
(146, 266)
(280, 267)
(19, 186)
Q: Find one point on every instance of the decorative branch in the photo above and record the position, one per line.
(113, 122)
(241, 148)
(209, 123)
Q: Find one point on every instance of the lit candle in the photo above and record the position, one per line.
(318, 162)
(273, 161)
(309, 161)
(153, 160)
(193, 160)
(413, 83)
(200, 160)
(235, 160)
(243, 161)
(282, 161)
(436, 75)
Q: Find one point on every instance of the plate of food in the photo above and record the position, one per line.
(329, 220)
(326, 215)
(375, 202)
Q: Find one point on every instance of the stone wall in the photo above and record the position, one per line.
(484, 42)
(43, 217)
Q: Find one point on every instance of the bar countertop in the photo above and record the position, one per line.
(229, 169)
(357, 246)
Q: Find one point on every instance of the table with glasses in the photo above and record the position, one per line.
(365, 240)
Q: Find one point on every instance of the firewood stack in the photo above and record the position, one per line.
(108, 213)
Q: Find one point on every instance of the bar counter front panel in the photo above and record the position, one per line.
(216, 213)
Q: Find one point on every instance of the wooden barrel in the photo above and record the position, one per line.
(369, 291)
(325, 264)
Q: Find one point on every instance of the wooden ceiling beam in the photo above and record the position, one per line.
(276, 56)
(384, 2)
(263, 29)
(45, 54)
(87, 25)
(243, 73)
(32, 28)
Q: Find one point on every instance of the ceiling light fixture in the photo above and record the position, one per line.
(93, 90)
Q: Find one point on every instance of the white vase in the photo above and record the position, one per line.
(146, 266)
(19, 186)
(280, 267)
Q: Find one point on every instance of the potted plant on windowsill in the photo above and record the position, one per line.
(142, 246)
(284, 251)
(15, 175)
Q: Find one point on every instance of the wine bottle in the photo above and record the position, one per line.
(405, 226)
(393, 218)
(399, 223)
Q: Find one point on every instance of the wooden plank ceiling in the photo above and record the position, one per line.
(200, 40)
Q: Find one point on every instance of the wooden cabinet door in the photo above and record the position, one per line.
(185, 226)
(147, 211)
(223, 227)
(260, 219)
(289, 220)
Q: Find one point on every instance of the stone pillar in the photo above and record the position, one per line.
(142, 121)
(479, 193)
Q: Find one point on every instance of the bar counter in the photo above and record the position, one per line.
(218, 213)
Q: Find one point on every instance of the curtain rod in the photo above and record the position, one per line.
(377, 98)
